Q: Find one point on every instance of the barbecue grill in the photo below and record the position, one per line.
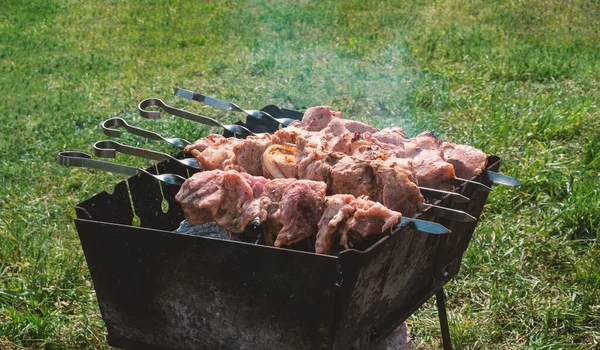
(158, 289)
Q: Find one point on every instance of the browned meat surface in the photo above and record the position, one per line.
(301, 208)
(216, 196)
(396, 191)
(289, 134)
(368, 218)
(200, 195)
(317, 118)
(271, 210)
(279, 161)
(218, 155)
(354, 126)
(432, 170)
(388, 185)
(338, 208)
(314, 164)
(257, 183)
(203, 143)
(393, 135)
(387, 158)
(252, 209)
(248, 154)
(353, 177)
(468, 161)
(289, 210)
(426, 140)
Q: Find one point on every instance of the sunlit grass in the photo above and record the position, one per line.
(517, 79)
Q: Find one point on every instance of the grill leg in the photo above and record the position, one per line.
(440, 299)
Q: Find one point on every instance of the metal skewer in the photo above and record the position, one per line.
(439, 194)
(426, 226)
(84, 160)
(502, 179)
(229, 106)
(109, 149)
(155, 102)
(459, 182)
(81, 159)
(109, 131)
(448, 213)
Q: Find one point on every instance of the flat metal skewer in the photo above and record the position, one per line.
(107, 127)
(425, 226)
(459, 182)
(439, 194)
(229, 106)
(109, 149)
(502, 179)
(448, 213)
(84, 160)
(156, 102)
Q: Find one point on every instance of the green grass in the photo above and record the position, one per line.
(518, 79)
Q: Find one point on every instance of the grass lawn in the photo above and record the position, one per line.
(518, 79)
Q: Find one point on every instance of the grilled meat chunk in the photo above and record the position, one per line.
(200, 195)
(393, 135)
(432, 170)
(311, 149)
(271, 210)
(368, 218)
(301, 207)
(217, 196)
(203, 143)
(467, 161)
(317, 118)
(289, 210)
(217, 155)
(338, 208)
(248, 154)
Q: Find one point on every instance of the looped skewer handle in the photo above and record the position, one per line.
(109, 149)
(232, 107)
(156, 102)
(107, 127)
(84, 160)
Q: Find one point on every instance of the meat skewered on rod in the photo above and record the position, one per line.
(259, 156)
(422, 155)
(467, 160)
(260, 198)
(288, 210)
(392, 187)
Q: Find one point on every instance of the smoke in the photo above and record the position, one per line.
(300, 57)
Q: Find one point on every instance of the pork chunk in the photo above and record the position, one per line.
(467, 161)
(317, 118)
(301, 208)
(338, 208)
(368, 218)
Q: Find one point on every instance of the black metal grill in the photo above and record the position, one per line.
(161, 290)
